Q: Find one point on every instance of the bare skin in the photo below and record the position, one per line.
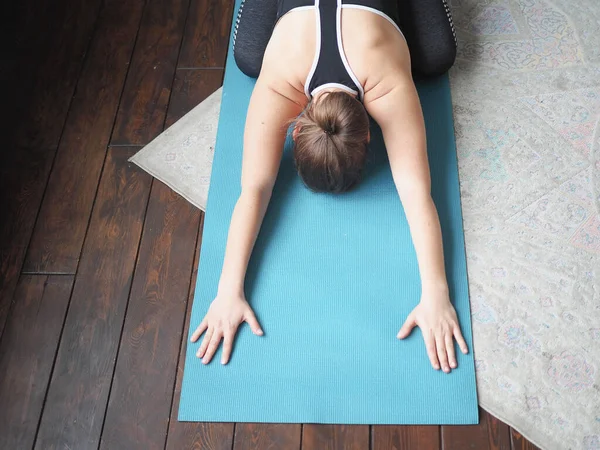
(380, 59)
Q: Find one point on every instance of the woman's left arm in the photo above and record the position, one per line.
(398, 113)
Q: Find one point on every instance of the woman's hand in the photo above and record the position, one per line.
(436, 317)
(225, 314)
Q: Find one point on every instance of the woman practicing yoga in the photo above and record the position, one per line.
(325, 66)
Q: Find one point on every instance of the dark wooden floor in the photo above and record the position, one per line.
(98, 260)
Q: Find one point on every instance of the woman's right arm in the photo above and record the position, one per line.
(264, 136)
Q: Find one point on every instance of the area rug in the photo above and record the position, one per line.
(526, 95)
(182, 156)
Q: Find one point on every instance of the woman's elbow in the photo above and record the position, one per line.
(257, 192)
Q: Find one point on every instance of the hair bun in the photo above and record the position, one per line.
(329, 129)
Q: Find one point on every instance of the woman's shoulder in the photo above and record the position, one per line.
(283, 80)
(380, 58)
(386, 83)
(287, 62)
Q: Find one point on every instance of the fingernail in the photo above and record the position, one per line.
(446, 369)
(453, 365)
(222, 361)
(204, 361)
(259, 331)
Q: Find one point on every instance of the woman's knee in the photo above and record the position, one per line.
(431, 36)
(253, 27)
(434, 58)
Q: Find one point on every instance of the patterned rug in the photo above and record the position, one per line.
(526, 94)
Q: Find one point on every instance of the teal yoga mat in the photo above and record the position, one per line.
(331, 280)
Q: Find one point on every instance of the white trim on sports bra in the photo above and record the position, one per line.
(337, 85)
(338, 26)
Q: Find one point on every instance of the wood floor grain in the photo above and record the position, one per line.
(27, 354)
(400, 437)
(74, 410)
(145, 99)
(65, 213)
(152, 333)
(23, 177)
(267, 436)
(206, 34)
(335, 437)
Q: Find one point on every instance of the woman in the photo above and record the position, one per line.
(326, 66)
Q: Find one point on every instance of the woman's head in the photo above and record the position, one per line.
(331, 137)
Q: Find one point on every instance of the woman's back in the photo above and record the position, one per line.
(376, 56)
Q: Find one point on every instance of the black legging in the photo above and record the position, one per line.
(426, 24)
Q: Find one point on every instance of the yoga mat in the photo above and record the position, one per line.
(331, 280)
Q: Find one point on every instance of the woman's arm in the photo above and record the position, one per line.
(400, 117)
(264, 138)
(268, 114)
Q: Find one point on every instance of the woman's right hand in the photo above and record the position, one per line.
(224, 316)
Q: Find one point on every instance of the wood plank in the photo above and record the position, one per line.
(23, 177)
(64, 216)
(142, 390)
(335, 437)
(145, 99)
(54, 45)
(519, 442)
(191, 86)
(462, 437)
(498, 432)
(207, 34)
(194, 435)
(267, 436)
(78, 392)
(401, 437)
(490, 433)
(27, 353)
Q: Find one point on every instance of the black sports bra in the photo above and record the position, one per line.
(330, 67)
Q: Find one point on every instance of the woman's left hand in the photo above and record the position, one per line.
(436, 317)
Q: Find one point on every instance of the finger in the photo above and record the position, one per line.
(205, 342)
(441, 352)
(430, 346)
(461, 341)
(409, 324)
(450, 350)
(250, 318)
(201, 328)
(227, 345)
(212, 347)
